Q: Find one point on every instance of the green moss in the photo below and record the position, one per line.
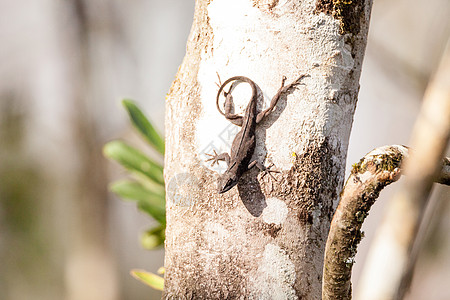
(355, 168)
(382, 162)
(389, 162)
(348, 12)
(359, 167)
(361, 216)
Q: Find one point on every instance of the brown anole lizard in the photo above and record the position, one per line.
(243, 145)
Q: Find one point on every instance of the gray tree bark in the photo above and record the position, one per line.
(263, 239)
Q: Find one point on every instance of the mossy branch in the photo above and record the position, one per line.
(368, 177)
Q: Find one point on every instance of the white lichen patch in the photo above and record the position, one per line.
(316, 215)
(275, 212)
(249, 41)
(215, 236)
(366, 176)
(214, 131)
(276, 275)
(387, 150)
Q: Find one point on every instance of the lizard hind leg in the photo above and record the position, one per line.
(229, 109)
(265, 170)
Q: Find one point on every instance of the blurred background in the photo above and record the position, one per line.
(65, 66)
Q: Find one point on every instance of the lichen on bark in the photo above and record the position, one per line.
(350, 13)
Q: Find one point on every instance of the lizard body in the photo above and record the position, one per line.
(244, 143)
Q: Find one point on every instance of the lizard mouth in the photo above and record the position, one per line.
(226, 188)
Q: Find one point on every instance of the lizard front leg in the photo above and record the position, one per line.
(265, 170)
(274, 101)
(216, 157)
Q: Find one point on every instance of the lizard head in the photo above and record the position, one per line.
(226, 182)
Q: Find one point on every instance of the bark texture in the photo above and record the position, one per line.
(263, 239)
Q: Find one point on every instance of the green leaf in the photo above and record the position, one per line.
(148, 201)
(151, 185)
(159, 214)
(153, 238)
(134, 160)
(135, 191)
(150, 279)
(144, 126)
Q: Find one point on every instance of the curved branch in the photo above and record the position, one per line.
(375, 171)
(390, 262)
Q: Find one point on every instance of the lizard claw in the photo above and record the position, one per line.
(214, 158)
(267, 170)
(297, 81)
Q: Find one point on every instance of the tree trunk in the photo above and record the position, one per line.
(263, 239)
